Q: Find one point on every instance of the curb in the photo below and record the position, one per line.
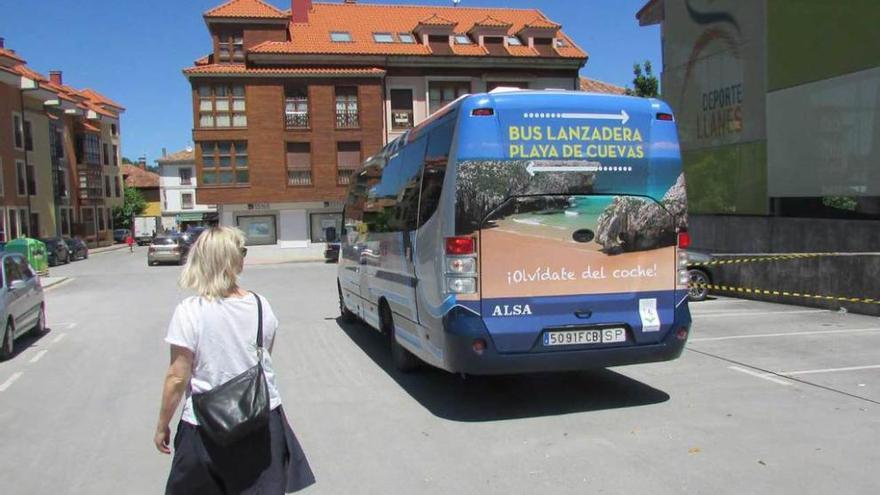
(55, 283)
(284, 262)
(106, 249)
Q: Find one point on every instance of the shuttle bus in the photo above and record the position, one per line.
(523, 231)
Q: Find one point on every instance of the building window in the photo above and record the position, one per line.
(346, 107)
(406, 38)
(231, 47)
(87, 215)
(340, 36)
(101, 219)
(185, 174)
(12, 225)
(17, 132)
(28, 136)
(222, 106)
(299, 164)
(383, 38)
(320, 223)
(109, 219)
(224, 163)
(296, 108)
(114, 130)
(401, 108)
(441, 93)
(26, 180)
(107, 187)
(186, 201)
(115, 156)
(348, 159)
(88, 149)
(561, 43)
(56, 141)
(65, 221)
(106, 155)
(462, 39)
(514, 41)
(116, 188)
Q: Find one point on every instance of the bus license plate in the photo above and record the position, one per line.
(580, 337)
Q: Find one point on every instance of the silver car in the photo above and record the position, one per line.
(21, 302)
(167, 249)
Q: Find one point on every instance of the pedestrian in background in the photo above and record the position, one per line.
(212, 338)
(129, 239)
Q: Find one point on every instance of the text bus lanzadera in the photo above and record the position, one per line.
(523, 231)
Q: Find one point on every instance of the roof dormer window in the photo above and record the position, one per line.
(462, 39)
(230, 46)
(561, 43)
(340, 36)
(383, 38)
(513, 41)
(406, 38)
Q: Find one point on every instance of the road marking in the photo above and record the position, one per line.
(831, 370)
(39, 355)
(765, 376)
(9, 381)
(59, 338)
(759, 313)
(783, 334)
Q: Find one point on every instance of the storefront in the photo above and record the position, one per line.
(286, 225)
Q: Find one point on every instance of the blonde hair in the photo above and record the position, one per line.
(214, 262)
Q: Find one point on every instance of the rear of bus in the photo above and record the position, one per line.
(570, 216)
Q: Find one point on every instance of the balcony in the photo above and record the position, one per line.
(347, 119)
(296, 120)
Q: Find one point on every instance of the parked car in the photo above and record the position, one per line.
(192, 234)
(119, 235)
(57, 250)
(699, 275)
(22, 306)
(79, 250)
(167, 249)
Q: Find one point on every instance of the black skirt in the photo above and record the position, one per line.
(270, 462)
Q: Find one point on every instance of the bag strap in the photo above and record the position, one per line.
(259, 326)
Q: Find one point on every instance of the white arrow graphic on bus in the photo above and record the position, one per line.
(532, 169)
(623, 117)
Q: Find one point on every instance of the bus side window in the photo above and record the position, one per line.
(436, 159)
(412, 155)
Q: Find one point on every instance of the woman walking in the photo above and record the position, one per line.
(214, 340)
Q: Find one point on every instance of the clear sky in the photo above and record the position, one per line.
(133, 51)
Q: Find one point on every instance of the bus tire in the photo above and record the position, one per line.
(344, 314)
(403, 360)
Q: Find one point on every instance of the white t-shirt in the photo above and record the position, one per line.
(222, 335)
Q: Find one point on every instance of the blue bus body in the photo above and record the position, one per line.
(523, 231)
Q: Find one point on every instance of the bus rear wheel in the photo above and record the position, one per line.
(403, 360)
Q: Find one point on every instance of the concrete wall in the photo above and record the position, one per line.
(744, 234)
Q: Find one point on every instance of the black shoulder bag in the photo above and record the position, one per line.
(239, 407)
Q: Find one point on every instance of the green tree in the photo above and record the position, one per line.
(646, 84)
(133, 205)
(127, 161)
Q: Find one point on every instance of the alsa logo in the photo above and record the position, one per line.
(512, 310)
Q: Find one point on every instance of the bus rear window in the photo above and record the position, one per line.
(436, 159)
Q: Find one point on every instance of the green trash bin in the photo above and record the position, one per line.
(33, 250)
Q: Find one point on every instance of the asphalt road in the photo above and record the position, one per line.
(767, 399)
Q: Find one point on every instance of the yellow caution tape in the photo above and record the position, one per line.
(757, 259)
(782, 293)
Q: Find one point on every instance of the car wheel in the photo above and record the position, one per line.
(40, 327)
(698, 285)
(344, 314)
(8, 346)
(403, 360)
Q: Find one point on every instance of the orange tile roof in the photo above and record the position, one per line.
(362, 20)
(101, 99)
(490, 21)
(139, 178)
(252, 9)
(232, 69)
(204, 60)
(436, 20)
(186, 155)
(542, 23)
(595, 86)
(5, 52)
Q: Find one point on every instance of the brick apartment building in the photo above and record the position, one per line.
(59, 156)
(289, 102)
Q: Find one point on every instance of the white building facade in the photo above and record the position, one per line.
(177, 191)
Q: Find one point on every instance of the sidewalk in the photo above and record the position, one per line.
(273, 255)
(107, 249)
(48, 282)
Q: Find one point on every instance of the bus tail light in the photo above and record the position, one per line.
(461, 285)
(461, 245)
(665, 116)
(461, 265)
(483, 112)
(684, 239)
